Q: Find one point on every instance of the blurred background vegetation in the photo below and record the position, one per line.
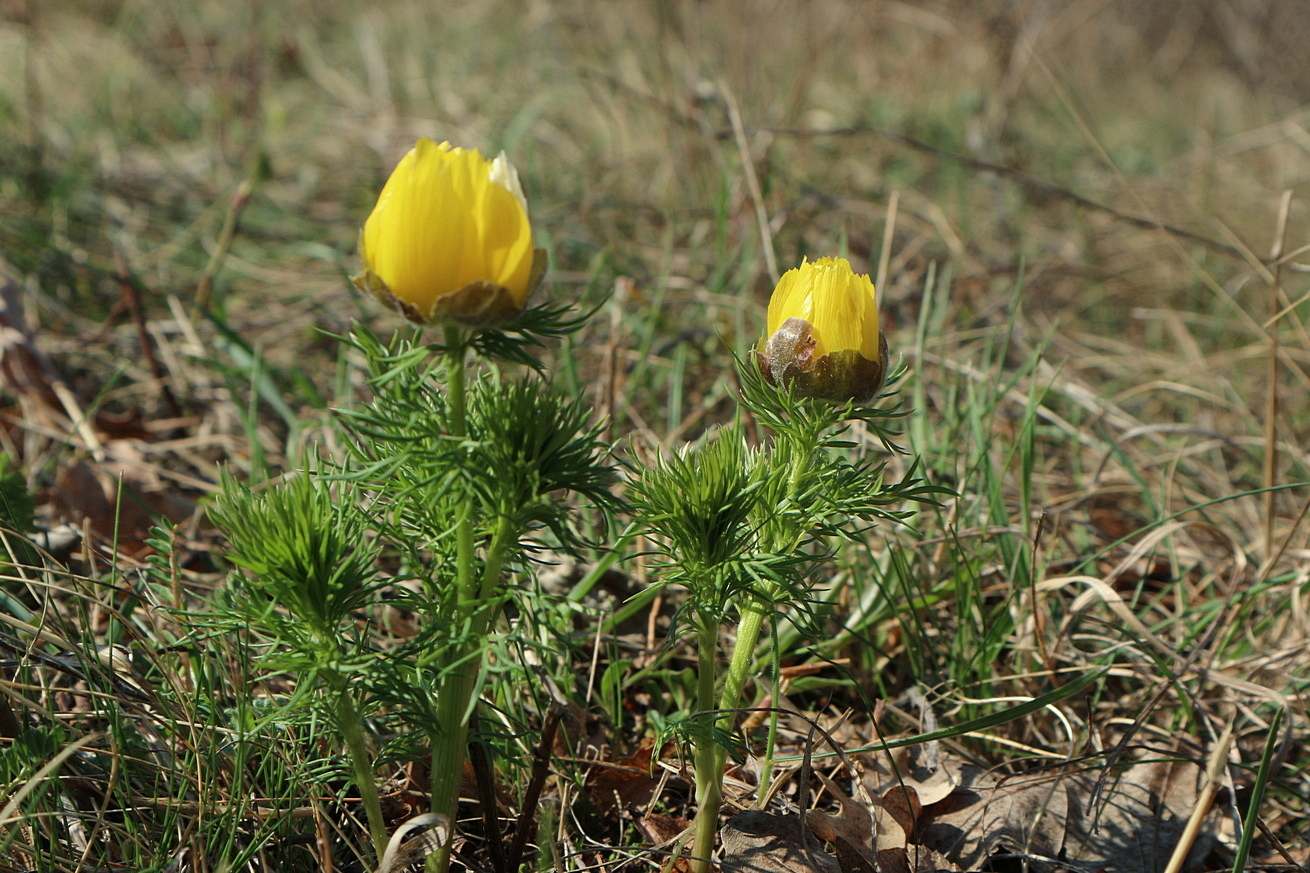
(161, 154)
(654, 138)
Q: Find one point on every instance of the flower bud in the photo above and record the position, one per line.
(449, 240)
(823, 336)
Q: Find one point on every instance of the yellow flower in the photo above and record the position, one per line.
(449, 239)
(823, 335)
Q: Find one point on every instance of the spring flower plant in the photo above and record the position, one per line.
(458, 472)
(309, 565)
(747, 531)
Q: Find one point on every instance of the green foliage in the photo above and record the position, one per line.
(745, 530)
(705, 508)
(305, 549)
(526, 444)
(702, 502)
(531, 330)
(309, 563)
(1060, 395)
(466, 470)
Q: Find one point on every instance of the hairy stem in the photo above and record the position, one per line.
(753, 615)
(459, 680)
(708, 762)
(771, 742)
(711, 756)
(353, 732)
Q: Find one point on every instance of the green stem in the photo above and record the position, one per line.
(476, 609)
(771, 742)
(456, 392)
(709, 770)
(450, 744)
(501, 540)
(459, 680)
(710, 757)
(352, 731)
(753, 615)
(458, 686)
(457, 397)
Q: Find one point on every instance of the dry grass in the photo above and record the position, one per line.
(1093, 276)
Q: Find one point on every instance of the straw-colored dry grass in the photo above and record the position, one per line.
(1075, 209)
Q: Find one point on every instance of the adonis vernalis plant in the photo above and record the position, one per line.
(746, 531)
(463, 467)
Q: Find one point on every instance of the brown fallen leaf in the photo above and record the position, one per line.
(894, 860)
(851, 859)
(875, 836)
(126, 504)
(624, 783)
(918, 766)
(853, 831)
(661, 829)
(1042, 818)
(760, 842)
(903, 806)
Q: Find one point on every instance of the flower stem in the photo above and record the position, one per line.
(743, 653)
(708, 762)
(456, 392)
(450, 742)
(459, 679)
(352, 731)
(501, 539)
(457, 397)
(710, 756)
(771, 741)
(475, 611)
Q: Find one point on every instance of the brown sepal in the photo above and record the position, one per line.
(477, 304)
(787, 358)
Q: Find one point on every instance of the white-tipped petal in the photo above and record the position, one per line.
(506, 175)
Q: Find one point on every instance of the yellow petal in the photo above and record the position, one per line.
(840, 305)
(447, 219)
